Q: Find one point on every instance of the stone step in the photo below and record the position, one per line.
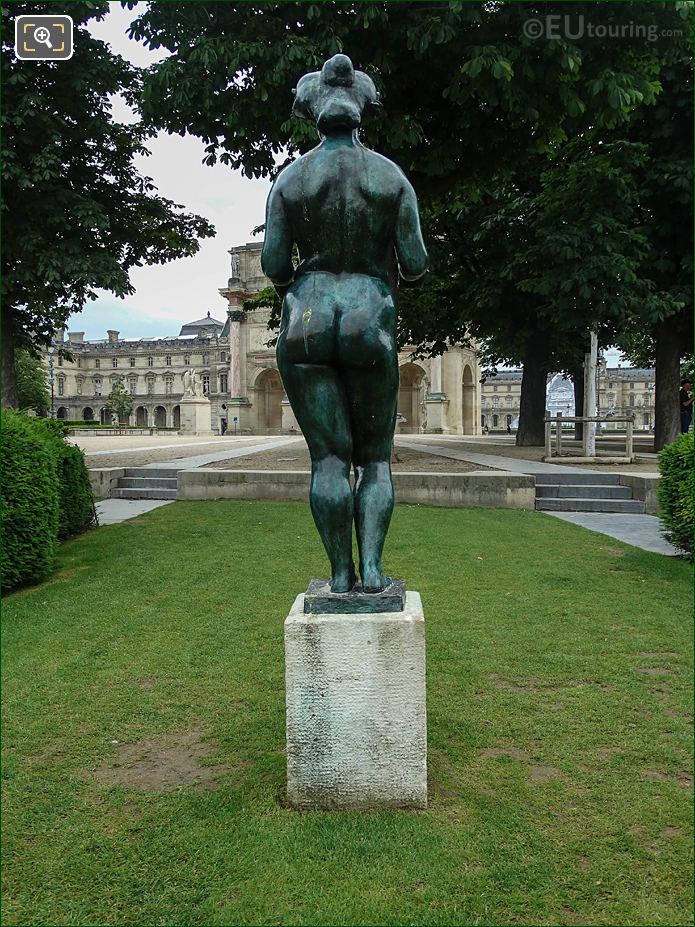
(143, 493)
(165, 473)
(615, 506)
(586, 491)
(577, 479)
(140, 482)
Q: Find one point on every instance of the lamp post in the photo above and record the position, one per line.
(51, 376)
(650, 393)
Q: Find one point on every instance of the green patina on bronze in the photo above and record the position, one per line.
(354, 218)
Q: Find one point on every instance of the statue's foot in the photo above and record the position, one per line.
(373, 579)
(343, 580)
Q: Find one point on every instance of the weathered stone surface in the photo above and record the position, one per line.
(320, 600)
(483, 489)
(356, 719)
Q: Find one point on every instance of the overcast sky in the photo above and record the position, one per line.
(167, 295)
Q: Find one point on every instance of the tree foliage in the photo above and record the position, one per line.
(119, 403)
(78, 215)
(32, 391)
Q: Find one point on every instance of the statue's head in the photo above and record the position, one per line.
(336, 97)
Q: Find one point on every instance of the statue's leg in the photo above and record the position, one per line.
(372, 399)
(318, 399)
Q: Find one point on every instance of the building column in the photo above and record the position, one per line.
(235, 316)
(436, 402)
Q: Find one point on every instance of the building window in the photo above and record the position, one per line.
(97, 387)
(495, 403)
(79, 361)
(114, 362)
(186, 359)
(223, 356)
(97, 363)
(495, 421)
(509, 389)
(223, 382)
(60, 358)
(206, 359)
(61, 386)
(646, 421)
(150, 361)
(206, 384)
(79, 387)
(632, 400)
(510, 402)
(632, 386)
(131, 361)
(610, 386)
(494, 389)
(167, 360)
(169, 384)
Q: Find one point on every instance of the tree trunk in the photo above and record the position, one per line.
(10, 397)
(578, 383)
(534, 383)
(667, 419)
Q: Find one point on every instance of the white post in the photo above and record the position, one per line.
(590, 363)
(628, 437)
(548, 438)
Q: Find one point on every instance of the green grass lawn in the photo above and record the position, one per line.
(559, 715)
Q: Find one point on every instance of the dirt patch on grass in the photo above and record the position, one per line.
(538, 775)
(162, 765)
(654, 671)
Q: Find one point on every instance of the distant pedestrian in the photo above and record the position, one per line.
(509, 429)
(686, 404)
(486, 430)
(223, 425)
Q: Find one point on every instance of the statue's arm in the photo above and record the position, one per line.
(276, 257)
(410, 248)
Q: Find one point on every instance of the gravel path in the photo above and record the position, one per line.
(297, 458)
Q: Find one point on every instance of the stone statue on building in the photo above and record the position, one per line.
(192, 384)
(354, 218)
(236, 265)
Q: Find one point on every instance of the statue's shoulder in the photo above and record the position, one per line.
(388, 170)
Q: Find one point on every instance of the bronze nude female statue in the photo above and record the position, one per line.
(354, 218)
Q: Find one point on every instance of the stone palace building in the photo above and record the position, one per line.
(239, 372)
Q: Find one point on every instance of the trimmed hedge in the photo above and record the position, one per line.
(675, 492)
(30, 502)
(46, 495)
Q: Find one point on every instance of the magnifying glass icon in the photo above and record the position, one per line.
(43, 35)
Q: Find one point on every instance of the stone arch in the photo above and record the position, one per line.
(269, 392)
(62, 412)
(88, 414)
(160, 417)
(411, 396)
(177, 416)
(141, 416)
(468, 401)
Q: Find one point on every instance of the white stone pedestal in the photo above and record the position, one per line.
(436, 405)
(356, 719)
(195, 416)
